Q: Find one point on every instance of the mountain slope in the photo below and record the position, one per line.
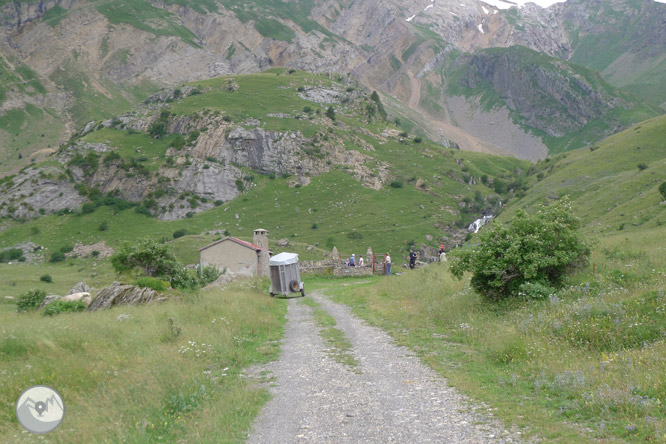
(95, 58)
(305, 156)
(613, 184)
(567, 105)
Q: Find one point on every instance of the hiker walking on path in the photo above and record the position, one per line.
(387, 264)
(352, 261)
(412, 258)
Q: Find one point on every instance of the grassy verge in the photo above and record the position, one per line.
(340, 347)
(160, 373)
(587, 365)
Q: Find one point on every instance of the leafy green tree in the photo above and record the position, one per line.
(330, 113)
(152, 258)
(535, 248)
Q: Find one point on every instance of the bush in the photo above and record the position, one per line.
(155, 260)
(46, 278)
(13, 254)
(397, 184)
(58, 307)
(535, 248)
(330, 113)
(662, 190)
(151, 282)
(208, 275)
(30, 300)
(179, 233)
(88, 207)
(642, 166)
(103, 226)
(57, 256)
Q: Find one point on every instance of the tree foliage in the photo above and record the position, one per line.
(537, 248)
(156, 260)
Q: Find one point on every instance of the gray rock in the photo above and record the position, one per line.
(80, 287)
(48, 299)
(121, 294)
(282, 243)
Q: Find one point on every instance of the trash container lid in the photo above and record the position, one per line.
(284, 259)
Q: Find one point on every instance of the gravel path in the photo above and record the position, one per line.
(389, 398)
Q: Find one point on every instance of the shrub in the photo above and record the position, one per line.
(330, 113)
(57, 256)
(30, 300)
(156, 260)
(66, 248)
(151, 282)
(13, 254)
(208, 275)
(88, 207)
(46, 278)
(58, 307)
(642, 166)
(103, 226)
(418, 139)
(396, 184)
(179, 233)
(538, 248)
(662, 189)
(355, 235)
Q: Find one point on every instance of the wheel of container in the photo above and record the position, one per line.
(303, 293)
(294, 286)
(272, 295)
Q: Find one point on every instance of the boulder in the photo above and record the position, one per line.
(282, 243)
(48, 299)
(80, 287)
(83, 296)
(121, 294)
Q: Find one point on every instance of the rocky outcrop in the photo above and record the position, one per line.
(38, 190)
(122, 294)
(79, 287)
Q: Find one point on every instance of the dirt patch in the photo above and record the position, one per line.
(81, 250)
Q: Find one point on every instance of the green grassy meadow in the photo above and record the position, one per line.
(170, 372)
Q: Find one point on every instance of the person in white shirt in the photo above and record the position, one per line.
(387, 264)
(360, 261)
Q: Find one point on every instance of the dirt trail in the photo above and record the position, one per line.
(390, 397)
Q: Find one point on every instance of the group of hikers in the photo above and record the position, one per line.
(351, 262)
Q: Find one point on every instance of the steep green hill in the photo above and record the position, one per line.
(613, 184)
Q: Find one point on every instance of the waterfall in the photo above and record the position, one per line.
(477, 224)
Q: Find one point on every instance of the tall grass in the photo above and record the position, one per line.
(586, 364)
(156, 373)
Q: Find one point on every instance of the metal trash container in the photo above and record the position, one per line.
(285, 275)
